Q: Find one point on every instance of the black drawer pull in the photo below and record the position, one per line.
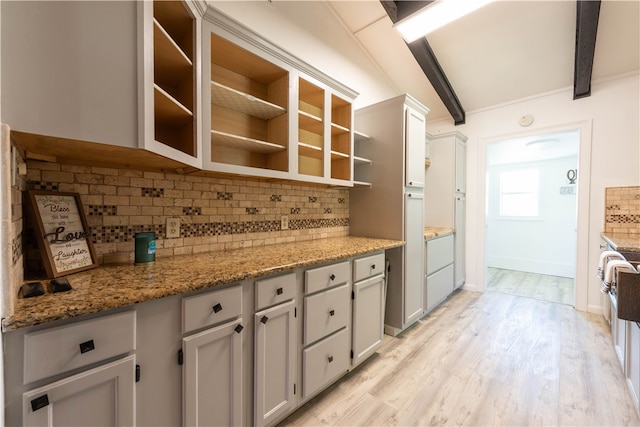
(264, 319)
(39, 402)
(332, 277)
(373, 266)
(279, 291)
(87, 346)
(239, 328)
(332, 313)
(330, 358)
(217, 308)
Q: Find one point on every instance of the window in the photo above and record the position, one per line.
(519, 193)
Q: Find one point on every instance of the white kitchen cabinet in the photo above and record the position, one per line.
(100, 396)
(393, 207)
(275, 362)
(439, 267)
(268, 114)
(632, 371)
(169, 92)
(212, 358)
(361, 159)
(445, 192)
(618, 333)
(212, 376)
(368, 306)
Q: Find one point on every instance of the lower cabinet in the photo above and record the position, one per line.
(324, 361)
(212, 376)
(440, 270)
(100, 396)
(618, 332)
(275, 362)
(632, 371)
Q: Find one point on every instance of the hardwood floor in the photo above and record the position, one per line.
(484, 359)
(532, 285)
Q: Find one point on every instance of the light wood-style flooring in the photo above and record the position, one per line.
(532, 285)
(484, 359)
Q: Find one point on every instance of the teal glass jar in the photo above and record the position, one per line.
(145, 247)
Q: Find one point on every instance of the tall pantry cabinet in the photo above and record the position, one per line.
(445, 189)
(393, 206)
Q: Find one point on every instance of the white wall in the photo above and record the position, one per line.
(301, 28)
(545, 244)
(613, 113)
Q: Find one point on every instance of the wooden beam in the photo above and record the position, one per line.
(425, 57)
(588, 13)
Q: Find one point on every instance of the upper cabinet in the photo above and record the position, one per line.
(267, 114)
(169, 94)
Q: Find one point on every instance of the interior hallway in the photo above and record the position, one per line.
(485, 359)
(532, 285)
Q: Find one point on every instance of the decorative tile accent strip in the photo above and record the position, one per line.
(16, 249)
(276, 198)
(312, 199)
(252, 211)
(191, 211)
(622, 210)
(301, 224)
(124, 233)
(341, 200)
(624, 219)
(152, 192)
(224, 196)
(102, 210)
(42, 186)
(295, 211)
(327, 210)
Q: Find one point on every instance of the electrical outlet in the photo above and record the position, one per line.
(173, 228)
(284, 222)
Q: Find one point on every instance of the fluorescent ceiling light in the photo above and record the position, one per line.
(434, 16)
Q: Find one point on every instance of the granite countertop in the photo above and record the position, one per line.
(113, 286)
(623, 242)
(433, 232)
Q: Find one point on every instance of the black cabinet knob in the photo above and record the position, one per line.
(330, 359)
(332, 277)
(373, 266)
(279, 291)
(217, 308)
(39, 402)
(264, 319)
(87, 346)
(332, 313)
(239, 328)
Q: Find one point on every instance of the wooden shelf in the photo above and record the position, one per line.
(168, 109)
(427, 162)
(310, 122)
(338, 155)
(361, 137)
(167, 50)
(361, 161)
(308, 150)
(239, 142)
(244, 102)
(336, 129)
(361, 184)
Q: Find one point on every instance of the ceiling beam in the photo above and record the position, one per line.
(425, 57)
(588, 13)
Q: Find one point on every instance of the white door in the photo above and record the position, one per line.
(212, 376)
(414, 148)
(413, 258)
(275, 365)
(368, 317)
(102, 396)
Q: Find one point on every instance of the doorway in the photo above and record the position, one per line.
(531, 215)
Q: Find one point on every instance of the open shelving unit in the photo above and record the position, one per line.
(341, 118)
(310, 129)
(361, 160)
(249, 108)
(174, 76)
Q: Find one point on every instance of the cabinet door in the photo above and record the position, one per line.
(368, 317)
(212, 374)
(101, 396)
(460, 237)
(275, 365)
(439, 286)
(632, 372)
(414, 148)
(461, 167)
(413, 258)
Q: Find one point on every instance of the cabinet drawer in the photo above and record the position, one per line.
(324, 361)
(275, 290)
(211, 308)
(57, 350)
(439, 286)
(326, 277)
(326, 312)
(439, 253)
(369, 266)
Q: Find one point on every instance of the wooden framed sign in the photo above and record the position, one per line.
(61, 229)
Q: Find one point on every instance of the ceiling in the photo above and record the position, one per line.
(506, 51)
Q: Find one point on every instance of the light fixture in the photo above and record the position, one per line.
(434, 16)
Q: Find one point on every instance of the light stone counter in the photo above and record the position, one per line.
(433, 232)
(623, 242)
(113, 286)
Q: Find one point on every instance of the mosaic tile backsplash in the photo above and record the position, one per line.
(215, 213)
(622, 210)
